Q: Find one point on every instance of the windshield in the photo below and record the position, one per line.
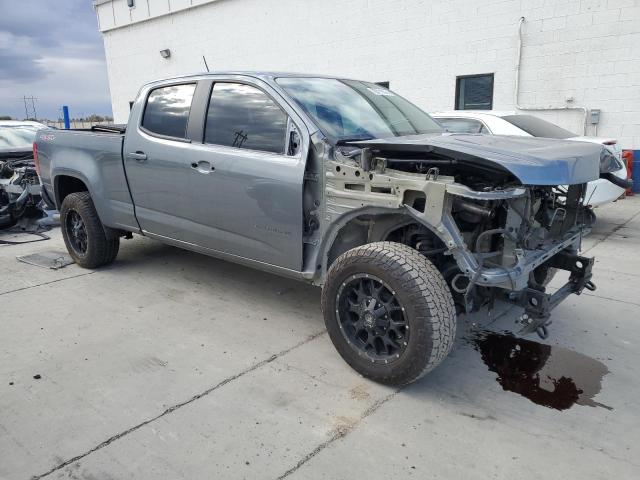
(17, 137)
(353, 110)
(537, 127)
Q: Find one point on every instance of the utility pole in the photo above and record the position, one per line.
(30, 106)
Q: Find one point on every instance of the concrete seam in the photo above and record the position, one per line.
(341, 433)
(175, 407)
(612, 299)
(47, 283)
(622, 273)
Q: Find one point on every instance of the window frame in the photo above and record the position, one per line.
(288, 120)
(314, 124)
(464, 77)
(187, 138)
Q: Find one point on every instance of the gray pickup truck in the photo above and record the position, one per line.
(340, 183)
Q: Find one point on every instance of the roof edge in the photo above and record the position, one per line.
(98, 3)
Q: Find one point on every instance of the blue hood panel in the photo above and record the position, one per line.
(533, 161)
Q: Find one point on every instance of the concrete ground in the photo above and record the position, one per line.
(171, 365)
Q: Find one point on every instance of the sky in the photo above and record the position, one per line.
(52, 50)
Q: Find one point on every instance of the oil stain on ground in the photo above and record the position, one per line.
(551, 376)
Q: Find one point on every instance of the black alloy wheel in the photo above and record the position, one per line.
(372, 319)
(76, 233)
(88, 241)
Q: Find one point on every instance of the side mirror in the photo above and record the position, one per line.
(294, 142)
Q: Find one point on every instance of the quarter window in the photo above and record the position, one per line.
(462, 125)
(538, 127)
(243, 116)
(167, 110)
(474, 92)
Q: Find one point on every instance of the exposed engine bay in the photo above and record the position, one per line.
(491, 236)
(19, 190)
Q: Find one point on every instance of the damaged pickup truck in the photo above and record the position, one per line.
(342, 184)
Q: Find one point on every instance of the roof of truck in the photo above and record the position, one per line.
(263, 75)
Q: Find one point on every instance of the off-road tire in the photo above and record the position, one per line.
(550, 274)
(543, 275)
(419, 287)
(102, 245)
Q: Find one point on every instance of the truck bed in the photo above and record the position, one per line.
(94, 157)
(112, 128)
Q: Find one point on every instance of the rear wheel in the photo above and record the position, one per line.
(388, 312)
(87, 241)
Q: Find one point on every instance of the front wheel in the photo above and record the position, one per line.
(389, 312)
(86, 239)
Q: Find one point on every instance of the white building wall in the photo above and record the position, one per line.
(585, 49)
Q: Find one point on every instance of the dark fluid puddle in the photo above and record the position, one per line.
(547, 375)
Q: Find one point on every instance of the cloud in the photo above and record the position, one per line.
(15, 66)
(53, 51)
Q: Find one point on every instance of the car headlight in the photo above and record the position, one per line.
(609, 162)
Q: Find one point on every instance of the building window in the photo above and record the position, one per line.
(474, 92)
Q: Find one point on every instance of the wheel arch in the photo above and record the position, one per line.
(67, 183)
(360, 227)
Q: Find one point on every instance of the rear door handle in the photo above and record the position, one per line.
(139, 156)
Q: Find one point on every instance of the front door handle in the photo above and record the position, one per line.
(139, 156)
(203, 167)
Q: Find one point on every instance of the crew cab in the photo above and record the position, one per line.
(340, 183)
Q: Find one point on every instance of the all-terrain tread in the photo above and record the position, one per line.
(103, 245)
(427, 290)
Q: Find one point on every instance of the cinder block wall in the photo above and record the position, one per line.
(588, 50)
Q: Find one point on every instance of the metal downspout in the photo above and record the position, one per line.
(516, 99)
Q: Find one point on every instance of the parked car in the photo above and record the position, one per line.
(19, 184)
(492, 122)
(339, 183)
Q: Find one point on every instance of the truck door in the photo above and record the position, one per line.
(156, 160)
(245, 184)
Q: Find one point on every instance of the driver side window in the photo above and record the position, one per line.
(243, 116)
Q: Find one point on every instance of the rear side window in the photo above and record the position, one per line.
(167, 110)
(243, 116)
(462, 125)
(537, 127)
